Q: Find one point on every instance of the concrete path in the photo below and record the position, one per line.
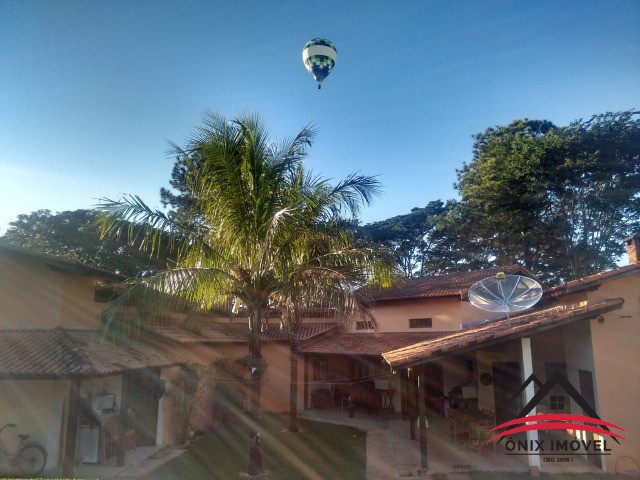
(392, 455)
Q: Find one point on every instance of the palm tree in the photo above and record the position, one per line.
(244, 242)
(328, 268)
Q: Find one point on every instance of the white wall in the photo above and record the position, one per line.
(36, 406)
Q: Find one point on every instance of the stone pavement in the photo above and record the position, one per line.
(392, 455)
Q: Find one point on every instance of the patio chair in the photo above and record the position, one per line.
(479, 431)
(459, 426)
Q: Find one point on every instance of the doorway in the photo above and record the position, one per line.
(142, 390)
(506, 381)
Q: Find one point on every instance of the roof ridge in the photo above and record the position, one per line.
(590, 280)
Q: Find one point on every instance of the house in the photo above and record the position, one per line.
(80, 395)
(584, 330)
(412, 311)
(426, 330)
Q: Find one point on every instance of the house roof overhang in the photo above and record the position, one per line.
(370, 343)
(67, 353)
(495, 332)
(592, 282)
(454, 285)
(60, 264)
(213, 333)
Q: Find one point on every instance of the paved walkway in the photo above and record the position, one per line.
(392, 455)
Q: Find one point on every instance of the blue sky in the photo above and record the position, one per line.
(91, 92)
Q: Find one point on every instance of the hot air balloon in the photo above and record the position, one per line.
(319, 56)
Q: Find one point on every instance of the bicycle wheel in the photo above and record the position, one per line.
(32, 459)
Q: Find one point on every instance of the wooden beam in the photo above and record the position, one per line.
(403, 393)
(123, 422)
(422, 416)
(412, 401)
(71, 436)
(306, 382)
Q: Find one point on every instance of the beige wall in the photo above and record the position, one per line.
(34, 296)
(616, 356)
(446, 314)
(36, 406)
(275, 386)
(394, 316)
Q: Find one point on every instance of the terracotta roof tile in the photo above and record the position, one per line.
(62, 353)
(493, 332)
(237, 332)
(592, 280)
(367, 343)
(454, 284)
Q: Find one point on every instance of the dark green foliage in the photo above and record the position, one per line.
(70, 234)
(559, 200)
(419, 244)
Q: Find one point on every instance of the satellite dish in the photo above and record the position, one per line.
(505, 293)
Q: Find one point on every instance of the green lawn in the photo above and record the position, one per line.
(318, 451)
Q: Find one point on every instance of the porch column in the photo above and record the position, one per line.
(72, 429)
(123, 423)
(306, 382)
(412, 407)
(422, 415)
(403, 394)
(527, 371)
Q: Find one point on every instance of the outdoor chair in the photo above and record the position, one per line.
(480, 430)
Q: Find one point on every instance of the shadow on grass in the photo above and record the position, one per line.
(318, 451)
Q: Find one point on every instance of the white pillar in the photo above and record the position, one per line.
(529, 392)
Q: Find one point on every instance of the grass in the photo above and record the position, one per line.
(318, 451)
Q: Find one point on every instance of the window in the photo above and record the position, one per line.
(320, 369)
(556, 402)
(420, 323)
(364, 325)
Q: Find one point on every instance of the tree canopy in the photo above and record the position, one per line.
(419, 243)
(70, 234)
(557, 199)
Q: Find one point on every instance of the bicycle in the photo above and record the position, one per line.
(30, 457)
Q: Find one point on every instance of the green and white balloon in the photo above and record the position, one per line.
(319, 56)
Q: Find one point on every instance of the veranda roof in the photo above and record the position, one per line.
(64, 353)
(236, 332)
(367, 343)
(496, 331)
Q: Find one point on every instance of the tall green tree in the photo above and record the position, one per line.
(70, 234)
(420, 244)
(557, 199)
(246, 239)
